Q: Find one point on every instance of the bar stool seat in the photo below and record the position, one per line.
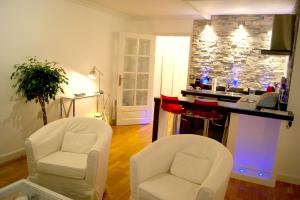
(172, 105)
(206, 110)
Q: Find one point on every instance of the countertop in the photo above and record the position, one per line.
(220, 95)
(242, 106)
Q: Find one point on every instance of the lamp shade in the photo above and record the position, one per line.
(93, 74)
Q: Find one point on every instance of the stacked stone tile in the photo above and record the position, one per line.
(235, 54)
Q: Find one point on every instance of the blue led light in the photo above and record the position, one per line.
(205, 80)
(261, 174)
(242, 170)
(235, 83)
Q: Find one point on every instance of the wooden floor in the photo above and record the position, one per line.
(128, 140)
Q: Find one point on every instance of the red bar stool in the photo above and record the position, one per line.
(206, 110)
(172, 105)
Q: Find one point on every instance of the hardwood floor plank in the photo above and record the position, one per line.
(128, 140)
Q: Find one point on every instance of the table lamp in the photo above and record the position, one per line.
(93, 74)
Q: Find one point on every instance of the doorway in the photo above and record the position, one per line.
(135, 79)
(149, 67)
(171, 65)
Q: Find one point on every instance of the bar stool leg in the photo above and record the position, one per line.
(206, 127)
(174, 128)
(225, 132)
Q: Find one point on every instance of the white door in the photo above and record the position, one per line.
(135, 84)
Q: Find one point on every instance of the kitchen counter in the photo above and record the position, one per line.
(251, 134)
(242, 106)
(220, 95)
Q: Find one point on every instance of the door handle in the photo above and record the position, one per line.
(120, 80)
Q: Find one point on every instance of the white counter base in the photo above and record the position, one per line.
(253, 143)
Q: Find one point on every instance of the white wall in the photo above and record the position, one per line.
(289, 142)
(76, 36)
(162, 26)
(171, 65)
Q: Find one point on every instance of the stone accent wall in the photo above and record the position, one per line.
(228, 48)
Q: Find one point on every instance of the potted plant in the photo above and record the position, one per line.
(39, 81)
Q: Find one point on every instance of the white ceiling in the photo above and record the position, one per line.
(197, 9)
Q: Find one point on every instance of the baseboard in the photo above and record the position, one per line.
(12, 155)
(288, 179)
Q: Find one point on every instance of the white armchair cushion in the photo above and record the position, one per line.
(149, 170)
(66, 164)
(190, 168)
(77, 142)
(167, 186)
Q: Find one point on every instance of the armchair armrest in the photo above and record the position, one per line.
(98, 157)
(31, 161)
(43, 142)
(215, 185)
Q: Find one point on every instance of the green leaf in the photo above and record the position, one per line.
(36, 79)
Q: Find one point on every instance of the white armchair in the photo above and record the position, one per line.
(70, 156)
(181, 167)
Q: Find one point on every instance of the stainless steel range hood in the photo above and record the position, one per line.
(282, 35)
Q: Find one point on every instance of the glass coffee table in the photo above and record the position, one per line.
(26, 190)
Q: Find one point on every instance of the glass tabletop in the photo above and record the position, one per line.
(26, 190)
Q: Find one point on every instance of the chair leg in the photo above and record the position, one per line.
(206, 127)
(174, 128)
(225, 132)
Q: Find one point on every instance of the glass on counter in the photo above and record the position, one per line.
(251, 98)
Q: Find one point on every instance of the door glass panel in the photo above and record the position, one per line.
(143, 64)
(141, 98)
(130, 64)
(129, 81)
(144, 47)
(131, 46)
(142, 81)
(128, 98)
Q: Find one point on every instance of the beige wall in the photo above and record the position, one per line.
(162, 26)
(74, 35)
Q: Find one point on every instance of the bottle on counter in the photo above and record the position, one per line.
(270, 88)
(214, 84)
(197, 82)
(227, 85)
(276, 85)
(283, 94)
